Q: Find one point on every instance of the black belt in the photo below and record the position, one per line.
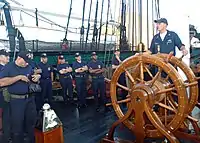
(100, 76)
(67, 76)
(79, 75)
(19, 96)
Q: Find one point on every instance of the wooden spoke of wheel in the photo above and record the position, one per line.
(156, 76)
(121, 86)
(165, 111)
(165, 90)
(129, 75)
(141, 72)
(173, 93)
(188, 84)
(145, 67)
(119, 102)
(173, 110)
(172, 104)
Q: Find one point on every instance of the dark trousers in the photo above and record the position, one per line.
(46, 85)
(122, 81)
(23, 116)
(81, 89)
(6, 122)
(67, 86)
(98, 84)
(38, 101)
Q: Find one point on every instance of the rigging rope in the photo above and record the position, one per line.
(102, 5)
(88, 28)
(105, 40)
(147, 24)
(95, 31)
(158, 4)
(70, 10)
(82, 27)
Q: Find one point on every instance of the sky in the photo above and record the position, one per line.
(169, 8)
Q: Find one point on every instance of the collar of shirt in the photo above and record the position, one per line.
(162, 35)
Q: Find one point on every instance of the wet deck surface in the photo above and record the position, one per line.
(87, 125)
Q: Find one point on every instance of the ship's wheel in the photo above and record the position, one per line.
(152, 110)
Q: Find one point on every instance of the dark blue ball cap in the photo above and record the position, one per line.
(161, 20)
(77, 55)
(24, 55)
(4, 52)
(43, 55)
(93, 53)
(61, 57)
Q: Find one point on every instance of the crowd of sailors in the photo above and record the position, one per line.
(20, 106)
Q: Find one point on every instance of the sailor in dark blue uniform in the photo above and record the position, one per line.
(65, 78)
(167, 40)
(96, 69)
(4, 59)
(80, 69)
(22, 105)
(4, 104)
(122, 79)
(36, 70)
(46, 79)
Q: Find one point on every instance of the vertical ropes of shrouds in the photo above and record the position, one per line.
(123, 39)
(95, 31)
(133, 27)
(106, 32)
(121, 24)
(82, 27)
(70, 10)
(88, 28)
(102, 5)
(111, 43)
(129, 21)
(157, 10)
(140, 19)
(152, 12)
(147, 24)
(158, 5)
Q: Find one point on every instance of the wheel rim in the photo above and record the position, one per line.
(178, 82)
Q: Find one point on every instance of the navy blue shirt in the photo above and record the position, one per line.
(63, 66)
(169, 44)
(116, 63)
(33, 64)
(77, 65)
(12, 70)
(46, 70)
(95, 65)
(1, 69)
